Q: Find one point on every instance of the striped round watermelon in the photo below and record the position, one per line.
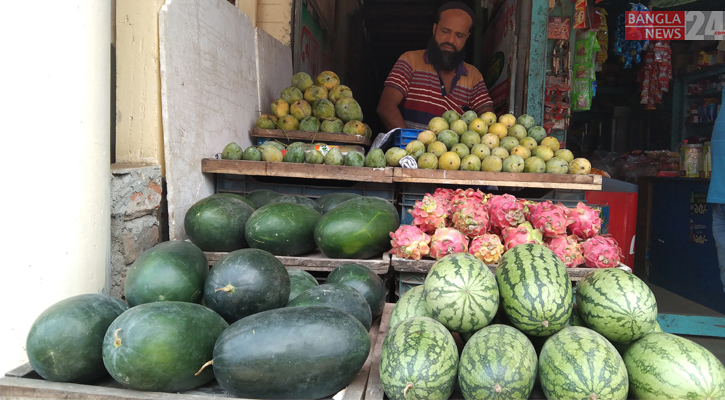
(461, 292)
(497, 362)
(411, 304)
(665, 366)
(418, 360)
(579, 363)
(536, 292)
(616, 304)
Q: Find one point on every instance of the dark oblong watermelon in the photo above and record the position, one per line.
(291, 353)
(238, 197)
(373, 201)
(300, 280)
(245, 282)
(160, 346)
(336, 295)
(216, 223)
(419, 360)
(169, 271)
(365, 281)
(261, 197)
(58, 351)
(283, 229)
(305, 201)
(355, 231)
(331, 200)
(497, 359)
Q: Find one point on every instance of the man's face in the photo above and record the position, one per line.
(449, 38)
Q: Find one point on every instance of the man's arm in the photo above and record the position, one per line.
(388, 108)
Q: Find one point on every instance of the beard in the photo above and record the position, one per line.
(444, 60)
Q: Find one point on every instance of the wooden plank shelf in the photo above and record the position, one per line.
(317, 261)
(320, 137)
(297, 170)
(509, 179)
(404, 175)
(423, 266)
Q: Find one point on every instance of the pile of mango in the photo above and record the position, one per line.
(322, 105)
(471, 142)
(299, 152)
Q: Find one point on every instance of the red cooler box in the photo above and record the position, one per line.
(622, 200)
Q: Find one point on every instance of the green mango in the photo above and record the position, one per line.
(294, 155)
(252, 153)
(232, 151)
(333, 157)
(354, 159)
(314, 157)
(375, 159)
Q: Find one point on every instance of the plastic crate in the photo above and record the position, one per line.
(408, 280)
(402, 137)
(244, 184)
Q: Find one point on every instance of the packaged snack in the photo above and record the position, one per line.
(559, 28)
(580, 14)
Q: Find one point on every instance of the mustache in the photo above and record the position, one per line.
(448, 44)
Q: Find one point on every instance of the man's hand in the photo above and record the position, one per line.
(388, 108)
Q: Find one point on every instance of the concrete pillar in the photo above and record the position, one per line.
(54, 160)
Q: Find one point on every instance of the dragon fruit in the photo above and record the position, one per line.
(409, 241)
(471, 218)
(505, 211)
(601, 252)
(523, 233)
(428, 214)
(461, 198)
(551, 219)
(568, 249)
(447, 241)
(445, 197)
(487, 248)
(585, 222)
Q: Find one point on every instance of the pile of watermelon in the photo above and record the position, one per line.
(486, 225)
(260, 330)
(524, 328)
(340, 225)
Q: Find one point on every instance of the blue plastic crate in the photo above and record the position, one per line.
(408, 280)
(244, 184)
(402, 137)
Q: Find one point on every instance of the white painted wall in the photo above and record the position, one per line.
(54, 160)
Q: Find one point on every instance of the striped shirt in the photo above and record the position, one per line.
(424, 95)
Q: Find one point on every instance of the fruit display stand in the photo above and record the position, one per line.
(323, 137)
(316, 261)
(297, 170)
(24, 383)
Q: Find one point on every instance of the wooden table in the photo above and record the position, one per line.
(402, 175)
(316, 261)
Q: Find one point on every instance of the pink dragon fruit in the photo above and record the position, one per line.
(551, 219)
(523, 233)
(447, 241)
(505, 211)
(445, 198)
(409, 241)
(601, 252)
(568, 249)
(471, 218)
(487, 248)
(428, 214)
(585, 222)
(462, 198)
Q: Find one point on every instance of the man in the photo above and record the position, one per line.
(426, 83)
(716, 191)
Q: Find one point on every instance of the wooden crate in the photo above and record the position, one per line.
(423, 266)
(320, 137)
(507, 179)
(297, 170)
(317, 261)
(24, 383)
